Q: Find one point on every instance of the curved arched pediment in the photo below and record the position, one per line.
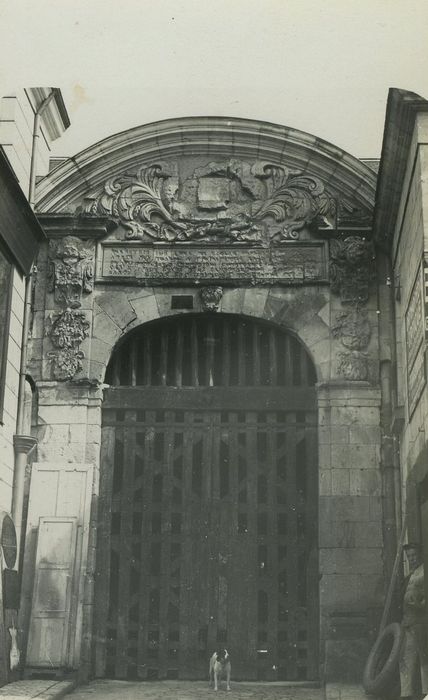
(205, 168)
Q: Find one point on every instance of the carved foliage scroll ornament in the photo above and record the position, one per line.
(68, 331)
(233, 202)
(351, 271)
(71, 270)
(211, 298)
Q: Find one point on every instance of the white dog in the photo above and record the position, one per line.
(220, 666)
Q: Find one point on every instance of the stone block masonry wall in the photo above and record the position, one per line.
(7, 430)
(350, 517)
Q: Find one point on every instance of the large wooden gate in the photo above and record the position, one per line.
(208, 503)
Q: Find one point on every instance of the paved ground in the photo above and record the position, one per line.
(182, 690)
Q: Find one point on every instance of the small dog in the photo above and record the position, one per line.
(219, 666)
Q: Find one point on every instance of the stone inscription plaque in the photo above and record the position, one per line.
(288, 264)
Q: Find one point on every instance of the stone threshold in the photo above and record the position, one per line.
(41, 689)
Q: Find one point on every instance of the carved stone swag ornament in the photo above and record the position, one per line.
(351, 271)
(230, 201)
(68, 331)
(70, 275)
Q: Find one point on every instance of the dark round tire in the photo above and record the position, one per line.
(381, 670)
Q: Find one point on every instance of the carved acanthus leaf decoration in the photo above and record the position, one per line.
(67, 332)
(149, 205)
(295, 200)
(136, 199)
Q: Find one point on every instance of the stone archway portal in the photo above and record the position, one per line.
(208, 503)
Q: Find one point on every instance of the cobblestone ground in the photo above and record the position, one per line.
(182, 690)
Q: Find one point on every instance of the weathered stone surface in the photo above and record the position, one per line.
(340, 482)
(116, 304)
(233, 301)
(295, 308)
(255, 302)
(145, 306)
(345, 662)
(324, 483)
(100, 351)
(338, 509)
(364, 434)
(365, 482)
(355, 457)
(350, 534)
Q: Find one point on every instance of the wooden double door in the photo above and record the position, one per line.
(207, 530)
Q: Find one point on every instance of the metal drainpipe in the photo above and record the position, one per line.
(389, 462)
(24, 444)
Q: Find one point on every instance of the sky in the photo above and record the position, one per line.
(322, 66)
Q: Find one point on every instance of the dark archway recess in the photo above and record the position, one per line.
(208, 503)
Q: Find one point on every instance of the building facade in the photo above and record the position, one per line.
(218, 351)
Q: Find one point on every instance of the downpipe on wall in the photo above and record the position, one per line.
(389, 457)
(25, 444)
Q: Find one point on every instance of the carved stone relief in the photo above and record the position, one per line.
(71, 270)
(211, 298)
(230, 201)
(67, 332)
(352, 327)
(353, 366)
(351, 269)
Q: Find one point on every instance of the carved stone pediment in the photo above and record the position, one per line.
(222, 202)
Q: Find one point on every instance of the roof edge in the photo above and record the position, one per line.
(401, 110)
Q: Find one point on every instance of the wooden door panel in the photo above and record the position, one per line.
(49, 630)
(212, 540)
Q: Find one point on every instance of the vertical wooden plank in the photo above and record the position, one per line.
(213, 540)
(102, 576)
(186, 594)
(194, 354)
(179, 356)
(125, 549)
(242, 363)
(256, 355)
(164, 356)
(226, 353)
(303, 366)
(166, 543)
(289, 379)
(133, 361)
(147, 359)
(210, 349)
(312, 548)
(292, 550)
(250, 646)
(116, 369)
(273, 370)
(145, 578)
(274, 538)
